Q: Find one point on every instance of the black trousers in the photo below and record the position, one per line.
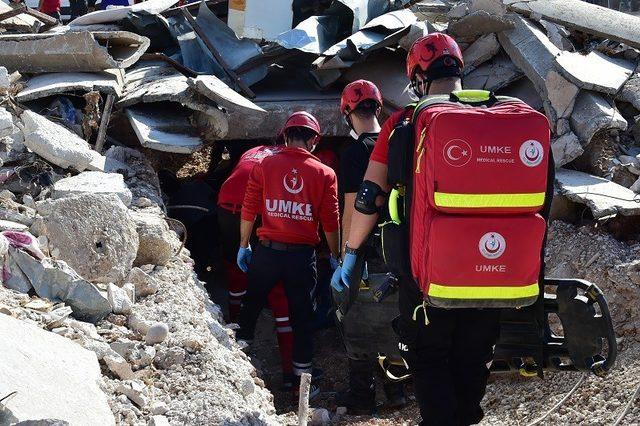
(448, 357)
(297, 270)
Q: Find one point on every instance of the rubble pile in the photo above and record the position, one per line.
(87, 255)
(86, 248)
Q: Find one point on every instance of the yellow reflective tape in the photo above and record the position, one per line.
(455, 292)
(420, 149)
(472, 95)
(394, 213)
(443, 199)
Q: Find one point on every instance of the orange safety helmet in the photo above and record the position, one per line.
(357, 92)
(426, 50)
(301, 119)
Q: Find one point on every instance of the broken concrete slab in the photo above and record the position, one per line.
(151, 7)
(595, 71)
(476, 24)
(56, 281)
(119, 300)
(493, 74)
(105, 249)
(534, 54)
(631, 92)
(55, 143)
(216, 90)
(480, 51)
(566, 148)
(6, 123)
(13, 277)
(6, 225)
(524, 90)
(596, 193)
(53, 377)
(589, 18)
(44, 85)
(593, 113)
(494, 7)
(21, 23)
(92, 183)
(71, 51)
(167, 131)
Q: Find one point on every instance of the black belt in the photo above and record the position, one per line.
(285, 247)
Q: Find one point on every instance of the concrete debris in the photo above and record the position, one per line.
(478, 23)
(92, 183)
(55, 280)
(595, 71)
(524, 90)
(566, 148)
(150, 7)
(52, 378)
(119, 366)
(106, 247)
(119, 300)
(494, 74)
(55, 143)
(156, 240)
(135, 391)
(630, 92)
(583, 16)
(144, 283)
(593, 113)
(51, 84)
(158, 421)
(480, 51)
(603, 197)
(71, 51)
(534, 54)
(157, 333)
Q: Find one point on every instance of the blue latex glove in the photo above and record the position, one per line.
(244, 258)
(336, 280)
(333, 262)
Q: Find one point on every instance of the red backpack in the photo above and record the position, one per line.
(477, 182)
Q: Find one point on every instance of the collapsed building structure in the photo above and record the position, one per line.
(105, 121)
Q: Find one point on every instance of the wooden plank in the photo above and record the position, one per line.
(104, 122)
(189, 17)
(583, 16)
(48, 20)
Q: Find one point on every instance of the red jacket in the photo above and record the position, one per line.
(294, 192)
(232, 190)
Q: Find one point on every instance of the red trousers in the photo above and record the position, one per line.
(279, 307)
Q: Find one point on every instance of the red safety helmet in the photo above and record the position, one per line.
(301, 119)
(357, 92)
(428, 49)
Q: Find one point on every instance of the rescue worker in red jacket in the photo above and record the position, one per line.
(449, 356)
(294, 193)
(229, 205)
(361, 104)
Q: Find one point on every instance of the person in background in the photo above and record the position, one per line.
(294, 193)
(360, 104)
(51, 8)
(78, 8)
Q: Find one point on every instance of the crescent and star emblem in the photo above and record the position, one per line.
(292, 183)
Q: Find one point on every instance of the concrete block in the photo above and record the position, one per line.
(480, 51)
(95, 235)
(593, 113)
(119, 300)
(93, 183)
(586, 17)
(596, 193)
(535, 55)
(53, 378)
(55, 280)
(631, 92)
(493, 74)
(494, 7)
(155, 239)
(5, 83)
(476, 24)
(6, 123)
(595, 71)
(55, 143)
(566, 148)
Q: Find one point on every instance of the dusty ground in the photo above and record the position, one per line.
(511, 399)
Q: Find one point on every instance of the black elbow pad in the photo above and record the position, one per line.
(366, 198)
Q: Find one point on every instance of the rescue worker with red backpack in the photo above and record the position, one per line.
(466, 181)
(294, 193)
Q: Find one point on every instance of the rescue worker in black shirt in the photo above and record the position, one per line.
(360, 104)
